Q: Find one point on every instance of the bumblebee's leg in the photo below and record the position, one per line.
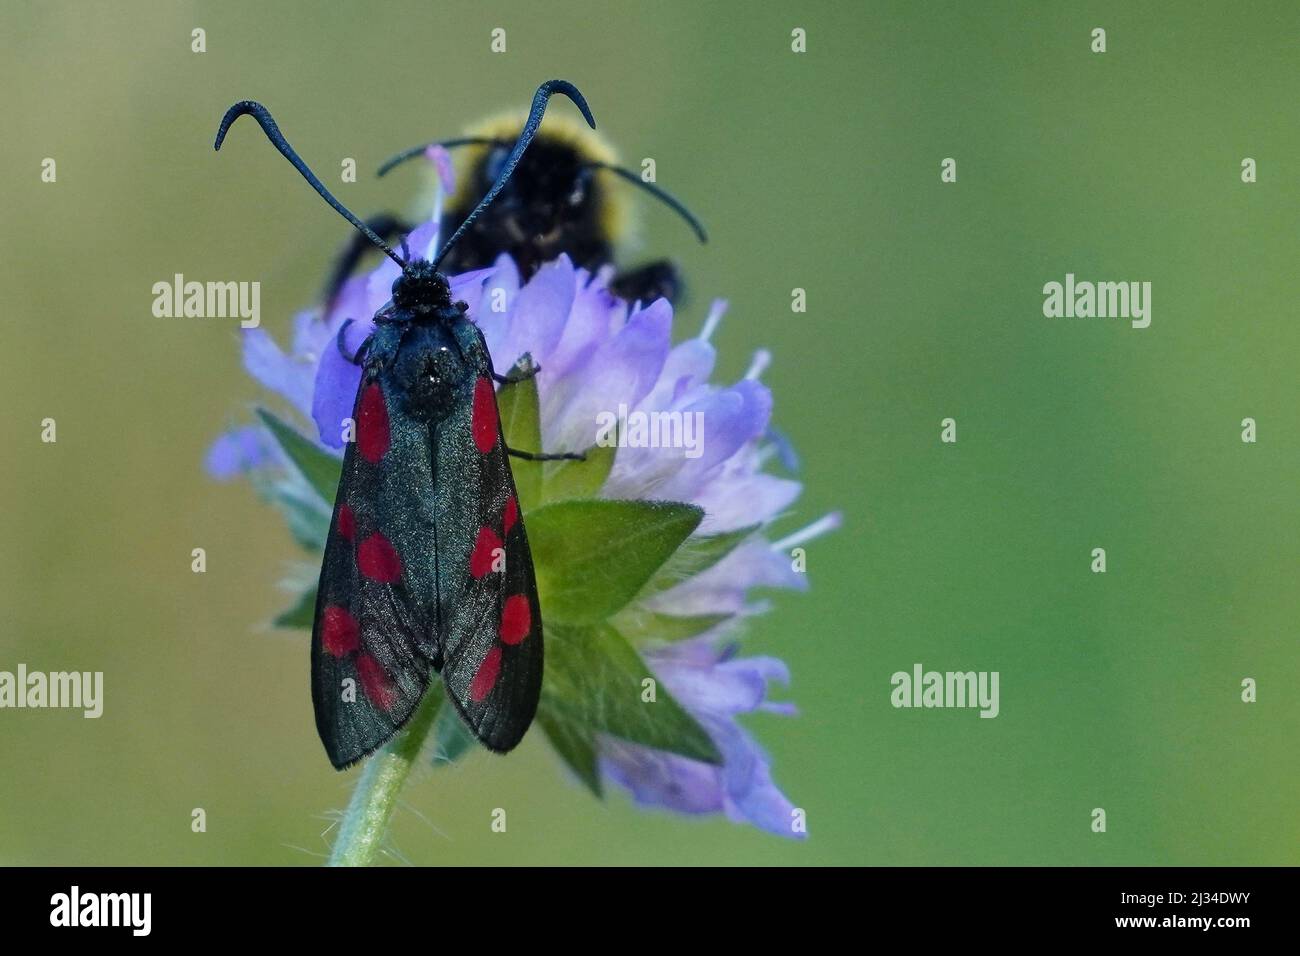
(654, 280)
(387, 226)
(360, 355)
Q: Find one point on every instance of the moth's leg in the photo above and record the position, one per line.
(545, 456)
(523, 369)
(360, 355)
(654, 280)
(516, 374)
(387, 226)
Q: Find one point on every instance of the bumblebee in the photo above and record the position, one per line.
(567, 195)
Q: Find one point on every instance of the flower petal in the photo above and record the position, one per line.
(493, 315)
(276, 371)
(337, 381)
(537, 315)
(732, 417)
(739, 501)
(595, 316)
(723, 588)
(688, 366)
(620, 372)
(742, 787)
(656, 778)
(240, 451)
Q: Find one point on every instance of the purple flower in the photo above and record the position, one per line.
(601, 356)
(240, 450)
(714, 686)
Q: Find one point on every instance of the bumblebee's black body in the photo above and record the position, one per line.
(551, 205)
(555, 203)
(559, 200)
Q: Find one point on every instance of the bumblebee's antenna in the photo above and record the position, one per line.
(526, 135)
(665, 197)
(272, 131)
(414, 151)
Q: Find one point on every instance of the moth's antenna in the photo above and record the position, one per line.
(404, 155)
(525, 137)
(264, 119)
(667, 198)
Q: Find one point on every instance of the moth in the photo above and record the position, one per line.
(564, 198)
(427, 568)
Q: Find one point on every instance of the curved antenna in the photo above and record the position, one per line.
(526, 135)
(414, 151)
(665, 197)
(272, 131)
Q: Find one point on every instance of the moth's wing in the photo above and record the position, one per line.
(493, 633)
(374, 639)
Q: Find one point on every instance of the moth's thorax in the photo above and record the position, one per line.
(432, 371)
(421, 290)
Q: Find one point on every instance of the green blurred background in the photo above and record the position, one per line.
(819, 171)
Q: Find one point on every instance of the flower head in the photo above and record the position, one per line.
(610, 379)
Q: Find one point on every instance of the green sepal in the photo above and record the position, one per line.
(301, 614)
(451, 738)
(593, 557)
(522, 426)
(575, 744)
(639, 625)
(694, 557)
(567, 480)
(320, 468)
(596, 680)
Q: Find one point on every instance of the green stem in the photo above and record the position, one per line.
(365, 822)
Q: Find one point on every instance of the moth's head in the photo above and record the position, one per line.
(421, 288)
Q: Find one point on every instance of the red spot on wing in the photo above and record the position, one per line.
(376, 683)
(512, 513)
(347, 523)
(516, 619)
(377, 559)
(339, 632)
(486, 678)
(372, 424)
(485, 416)
(480, 562)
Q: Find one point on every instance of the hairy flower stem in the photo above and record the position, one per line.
(365, 822)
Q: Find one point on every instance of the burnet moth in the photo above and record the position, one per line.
(427, 567)
(564, 198)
